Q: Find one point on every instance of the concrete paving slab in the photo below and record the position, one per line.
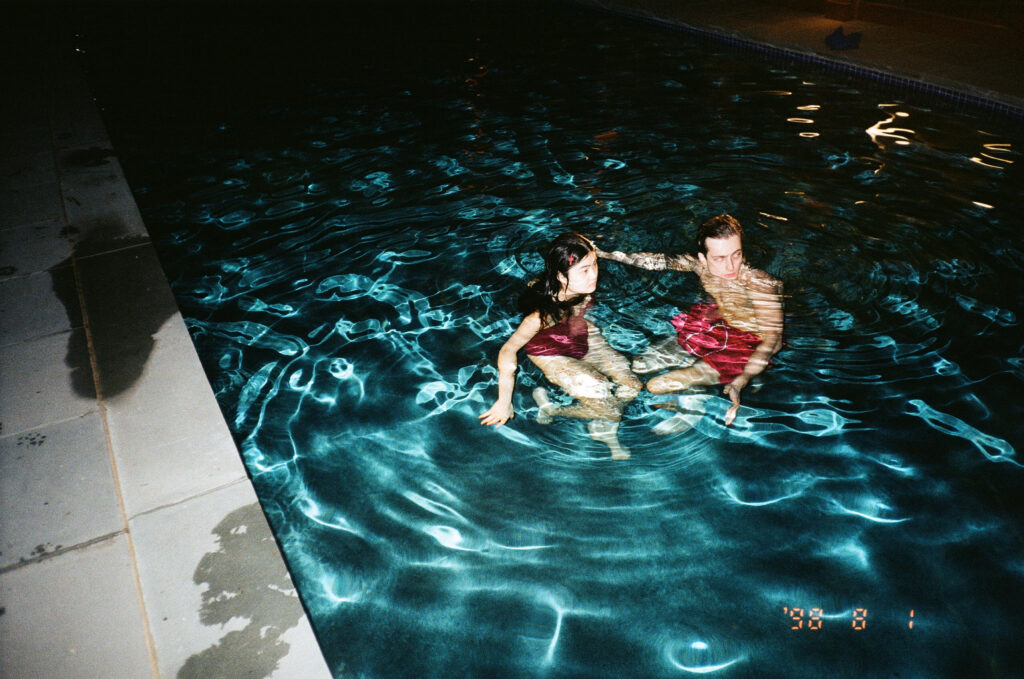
(32, 248)
(74, 616)
(58, 489)
(77, 120)
(34, 306)
(218, 593)
(44, 381)
(167, 473)
(127, 301)
(181, 447)
(101, 211)
(30, 204)
(31, 169)
(32, 138)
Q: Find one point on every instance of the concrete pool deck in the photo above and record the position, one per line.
(131, 540)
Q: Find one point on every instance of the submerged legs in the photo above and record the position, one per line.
(602, 384)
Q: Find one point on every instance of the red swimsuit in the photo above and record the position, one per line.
(568, 338)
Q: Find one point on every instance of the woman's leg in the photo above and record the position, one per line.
(587, 381)
(582, 381)
(610, 362)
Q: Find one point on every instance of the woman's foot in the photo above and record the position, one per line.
(690, 408)
(608, 433)
(546, 408)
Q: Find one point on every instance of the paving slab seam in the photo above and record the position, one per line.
(61, 551)
(48, 423)
(190, 498)
(137, 579)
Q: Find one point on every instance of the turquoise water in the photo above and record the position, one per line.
(347, 209)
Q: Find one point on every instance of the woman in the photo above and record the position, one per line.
(567, 347)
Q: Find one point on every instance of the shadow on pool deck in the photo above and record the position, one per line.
(115, 499)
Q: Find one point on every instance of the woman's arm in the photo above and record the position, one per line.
(502, 411)
(654, 261)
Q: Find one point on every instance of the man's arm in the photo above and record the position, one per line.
(767, 299)
(654, 261)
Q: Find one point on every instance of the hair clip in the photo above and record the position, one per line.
(572, 259)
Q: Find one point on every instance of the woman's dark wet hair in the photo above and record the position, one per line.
(542, 295)
(719, 226)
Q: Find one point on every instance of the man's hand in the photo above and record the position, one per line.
(732, 390)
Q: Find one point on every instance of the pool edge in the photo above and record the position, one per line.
(162, 521)
(723, 30)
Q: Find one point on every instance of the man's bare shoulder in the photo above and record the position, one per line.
(762, 282)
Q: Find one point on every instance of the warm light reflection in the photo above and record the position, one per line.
(809, 107)
(879, 131)
(781, 219)
(984, 205)
(809, 135)
(802, 121)
(994, 148)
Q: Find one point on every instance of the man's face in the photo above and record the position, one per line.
(724, 257)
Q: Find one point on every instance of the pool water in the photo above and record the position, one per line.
(347, 204)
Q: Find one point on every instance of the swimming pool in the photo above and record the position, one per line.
(346, 215)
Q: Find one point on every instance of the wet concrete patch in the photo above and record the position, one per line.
(245, 578)
(87, 158)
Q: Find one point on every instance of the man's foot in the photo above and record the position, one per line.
(608, 433)
(546, 408)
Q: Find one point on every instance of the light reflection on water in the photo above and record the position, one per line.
(348, 263)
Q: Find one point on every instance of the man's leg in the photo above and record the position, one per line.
(661, 354)
(698, 374)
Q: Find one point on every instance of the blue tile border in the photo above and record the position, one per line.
(961, 98)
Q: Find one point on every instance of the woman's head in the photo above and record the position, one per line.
(570, 271)
(571, 266)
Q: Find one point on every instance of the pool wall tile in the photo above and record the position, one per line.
(87, 628)
(45, 470)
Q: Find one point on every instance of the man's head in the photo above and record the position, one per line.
(720, 246)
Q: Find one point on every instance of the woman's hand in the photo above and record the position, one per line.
(498, 414)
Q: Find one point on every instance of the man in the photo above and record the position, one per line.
(733, 337)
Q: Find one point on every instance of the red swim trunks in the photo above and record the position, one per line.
(703, 333)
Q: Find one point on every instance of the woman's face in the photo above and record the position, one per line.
(581, 279)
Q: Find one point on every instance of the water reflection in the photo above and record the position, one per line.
(347, 260)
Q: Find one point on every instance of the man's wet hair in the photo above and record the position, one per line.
(719, 226)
